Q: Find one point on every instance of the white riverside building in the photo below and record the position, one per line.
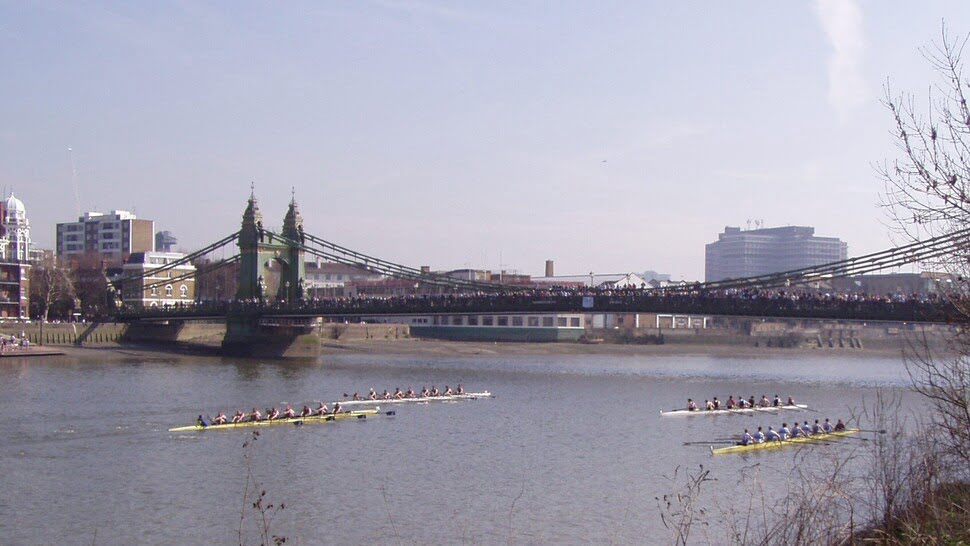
(532, 327)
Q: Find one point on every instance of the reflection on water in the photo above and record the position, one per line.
(572, 449)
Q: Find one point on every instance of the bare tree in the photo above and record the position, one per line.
(50, 284)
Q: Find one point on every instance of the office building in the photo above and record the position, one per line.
(111, 237)
(741, 253)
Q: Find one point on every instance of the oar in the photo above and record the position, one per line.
(709, 443)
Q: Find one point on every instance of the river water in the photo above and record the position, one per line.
(571, 449)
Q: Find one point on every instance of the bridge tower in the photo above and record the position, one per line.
(259, 251)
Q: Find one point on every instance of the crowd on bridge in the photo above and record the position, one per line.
(782, 303)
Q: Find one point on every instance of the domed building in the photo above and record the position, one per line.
(14, 231)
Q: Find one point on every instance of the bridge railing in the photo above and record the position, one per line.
(755, 305)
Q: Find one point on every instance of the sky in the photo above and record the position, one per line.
(610, 137)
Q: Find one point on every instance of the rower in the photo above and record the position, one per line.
(709, 405)
(827, 426)
(386, 395)
(201, 422)
(795, 431)
(220, 419)
(306, 411)
(746, 438)
(273, 414)
(717, 403)
(372, 395)
(806, 430)
(784, 432)
(398, 393)
(791, 401)
(434, 391)
(424, 392)
(356, 396)
(751, 401)
(817, 428)
(772, 436)
(448, 391)
(839, 425)
(741, 403)
(776, 402)
(764, 401)
(460, 390)
(691, 405)
(322, 410)
(759, 437)
(255, 415)
(238, 417)
(730, 403)
(410, 393)
(336, 408)
(288, 412)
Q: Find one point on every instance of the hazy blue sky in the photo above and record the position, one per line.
(610, 137)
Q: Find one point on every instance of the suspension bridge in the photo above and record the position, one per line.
(271, 312)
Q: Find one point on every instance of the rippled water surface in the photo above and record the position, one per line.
(571, 449)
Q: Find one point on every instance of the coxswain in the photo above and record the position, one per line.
(220, 419)
(322, 409)
(288, 412)
(691, 405)
(238, 417)
(255, 415)
(398, 393)
(306, 411)
(273, 414)
(336, 408)
(709, 405)
(764, 401)
(460, 389)
(448, 391)
(772, 436)
(372, 395)
(746, 438)
(839, 425)
(791, 401)
(806, 430)
(817, 428)
(201, 422)
(730, 403)
(784, 432)
(827, 426)
(434, 391)
(759, 437)
(717, 403)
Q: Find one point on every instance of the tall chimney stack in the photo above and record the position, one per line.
(550, 269)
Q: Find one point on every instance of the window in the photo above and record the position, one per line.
(562, 321)
(533, 322)
(487, 321)
(547, 322)
(168, 290)
(456, 321)
(154, 290)
(516, 321)
(503, 321)
(574, 322)
(183, 291)
(472, 320)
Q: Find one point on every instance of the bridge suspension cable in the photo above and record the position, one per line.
(205, 269)
(183, 260)
(346, 256)
(932, 248)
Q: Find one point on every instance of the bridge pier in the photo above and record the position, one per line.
(251, 335)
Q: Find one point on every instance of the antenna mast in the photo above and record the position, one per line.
(77, 198)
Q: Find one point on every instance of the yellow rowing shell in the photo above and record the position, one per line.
(291, 420)
(790, 442)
